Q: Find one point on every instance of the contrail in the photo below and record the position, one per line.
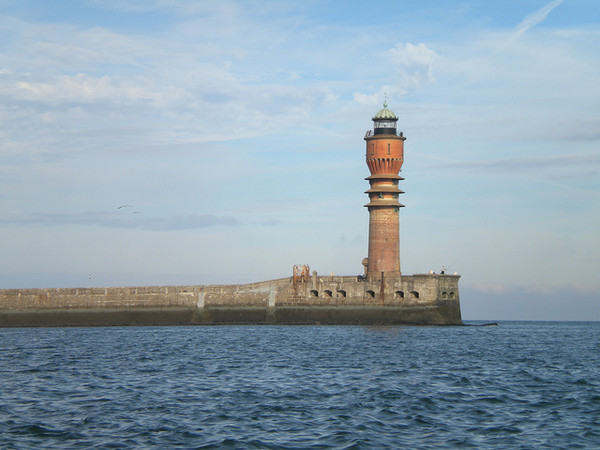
(534, 19)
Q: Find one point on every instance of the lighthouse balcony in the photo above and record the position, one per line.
(384, 189)
(385, 202)
(384, 176)
(379, 132)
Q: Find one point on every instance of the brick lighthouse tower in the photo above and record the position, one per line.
(385, 155)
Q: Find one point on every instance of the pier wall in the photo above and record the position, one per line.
(416, 299)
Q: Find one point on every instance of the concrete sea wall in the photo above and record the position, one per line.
(417, 299)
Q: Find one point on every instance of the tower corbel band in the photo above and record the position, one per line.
(385, 155)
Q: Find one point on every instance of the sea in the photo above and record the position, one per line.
(515, 385)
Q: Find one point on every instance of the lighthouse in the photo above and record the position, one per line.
(384, 155)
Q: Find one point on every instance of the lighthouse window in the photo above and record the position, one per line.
(380, 195)
(396, 209)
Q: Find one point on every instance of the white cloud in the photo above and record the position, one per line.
(84, 88)
(555, 164)
(194, 81)
(492, 288)
(414, 66)
(375, 99)
(119, 220)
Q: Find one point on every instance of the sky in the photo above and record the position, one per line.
(159, 142)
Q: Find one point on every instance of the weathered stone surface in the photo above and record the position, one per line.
(417, 299)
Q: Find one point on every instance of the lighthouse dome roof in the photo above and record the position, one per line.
(385, 113)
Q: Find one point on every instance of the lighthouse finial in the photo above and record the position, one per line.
(385, 100)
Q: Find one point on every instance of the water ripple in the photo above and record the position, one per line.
(301, 387)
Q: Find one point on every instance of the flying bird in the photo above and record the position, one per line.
(124, 206)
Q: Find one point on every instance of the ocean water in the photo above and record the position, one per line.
(517, 385)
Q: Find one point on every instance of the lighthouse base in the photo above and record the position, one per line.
(383, 276)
